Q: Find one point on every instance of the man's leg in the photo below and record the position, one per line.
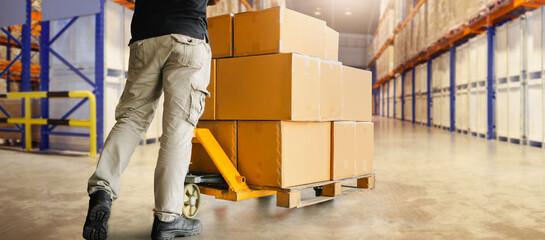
(134, 113)
(186, 75)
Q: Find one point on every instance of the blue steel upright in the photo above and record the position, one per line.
(375, 91)
(403, 96)
(394, 97)
(26, 48)
(44, 82)
(383, 106)
(428, 98)
(491, 94)
(452, 88)
(99, 74)
(414, 99)
(388, 99)
(8, 57)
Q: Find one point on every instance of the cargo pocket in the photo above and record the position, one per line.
(189, 52)
(196, 109)
(136, 57)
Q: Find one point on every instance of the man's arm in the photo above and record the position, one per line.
(213, 2)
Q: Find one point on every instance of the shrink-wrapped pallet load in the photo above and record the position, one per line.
(431, 25)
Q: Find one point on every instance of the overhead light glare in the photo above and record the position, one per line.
(348, 12)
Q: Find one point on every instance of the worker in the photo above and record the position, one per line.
(169, 52)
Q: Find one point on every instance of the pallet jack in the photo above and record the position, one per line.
(228, 185)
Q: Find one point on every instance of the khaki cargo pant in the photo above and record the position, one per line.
(179, 66)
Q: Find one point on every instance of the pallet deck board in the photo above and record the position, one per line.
(291, 197)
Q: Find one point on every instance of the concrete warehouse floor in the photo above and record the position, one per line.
(431, 184)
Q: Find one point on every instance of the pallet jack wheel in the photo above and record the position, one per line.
(192, 200)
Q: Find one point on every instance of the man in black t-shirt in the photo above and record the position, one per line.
(169, 53)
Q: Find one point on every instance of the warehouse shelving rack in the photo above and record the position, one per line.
(21, 64)
(492, 16)
(45, 42)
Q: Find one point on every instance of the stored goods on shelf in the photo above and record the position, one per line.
(421, 85)
(502, 113)
(398, 96)
(534, 53)
(462, 87)
(408, 96)
(515, 32)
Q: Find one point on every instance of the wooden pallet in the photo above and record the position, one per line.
(291, 197)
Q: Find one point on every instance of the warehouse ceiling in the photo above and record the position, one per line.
(345, 16)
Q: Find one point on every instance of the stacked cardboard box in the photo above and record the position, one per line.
(282, 107)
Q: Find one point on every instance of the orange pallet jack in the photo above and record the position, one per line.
(229, 185)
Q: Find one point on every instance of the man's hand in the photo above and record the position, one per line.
(213, 2)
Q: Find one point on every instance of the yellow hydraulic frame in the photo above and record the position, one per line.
(28, 120)
(238, 189)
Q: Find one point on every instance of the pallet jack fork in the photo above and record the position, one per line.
(238, 189)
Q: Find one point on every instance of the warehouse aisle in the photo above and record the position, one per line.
(430, 185)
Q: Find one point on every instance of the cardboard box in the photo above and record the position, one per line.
(284, 154)
(331, 99)
(356, 87)
(331, 44)
(220, 31)
(282, 86)
(225, 133)
(343, 150)
(364, 147)
(278, 30)
(210, 102)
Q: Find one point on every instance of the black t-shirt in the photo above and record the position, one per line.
(153, 18)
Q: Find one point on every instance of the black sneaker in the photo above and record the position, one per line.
(179, 227)
(96, 224)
